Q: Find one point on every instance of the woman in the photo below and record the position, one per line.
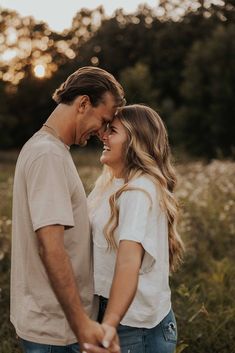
(133, 215)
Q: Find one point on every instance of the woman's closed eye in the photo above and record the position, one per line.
(112, 129)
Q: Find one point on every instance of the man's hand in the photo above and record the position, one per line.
(89, 331)
(110, 341)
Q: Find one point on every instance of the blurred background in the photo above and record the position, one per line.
(178, 56)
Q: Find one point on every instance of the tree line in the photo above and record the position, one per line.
(179, 60)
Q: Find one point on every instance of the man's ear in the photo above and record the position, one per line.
(82, 103)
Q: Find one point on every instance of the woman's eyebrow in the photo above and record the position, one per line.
(113, 126)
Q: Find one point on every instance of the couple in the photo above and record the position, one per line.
(132, 215)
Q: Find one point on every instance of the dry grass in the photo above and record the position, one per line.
(203, 290)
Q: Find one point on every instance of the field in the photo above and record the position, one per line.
(203, 290)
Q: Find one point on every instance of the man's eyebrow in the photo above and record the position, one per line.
(108, 119)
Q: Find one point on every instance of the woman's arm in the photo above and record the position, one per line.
(123, 289)
(125, 281)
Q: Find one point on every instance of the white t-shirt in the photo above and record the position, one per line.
(142, 220)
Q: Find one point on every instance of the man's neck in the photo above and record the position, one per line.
(61, 123)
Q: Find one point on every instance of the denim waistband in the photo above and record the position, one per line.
(103, 300)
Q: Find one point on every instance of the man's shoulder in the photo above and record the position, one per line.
(42, 143)
(41, 146)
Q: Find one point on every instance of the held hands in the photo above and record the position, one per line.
(107, 342)
(110, 339)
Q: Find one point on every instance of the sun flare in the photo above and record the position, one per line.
(39, 71)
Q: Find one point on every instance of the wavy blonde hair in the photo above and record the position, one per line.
(146, 152)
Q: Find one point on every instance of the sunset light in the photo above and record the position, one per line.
(39, 71)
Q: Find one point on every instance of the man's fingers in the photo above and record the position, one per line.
(114, 348)
(94, 349)
(91, 348)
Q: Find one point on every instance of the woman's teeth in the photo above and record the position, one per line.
(106, 148)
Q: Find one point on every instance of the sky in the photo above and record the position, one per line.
(59, 13)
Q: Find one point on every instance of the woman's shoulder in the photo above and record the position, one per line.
(145, 182)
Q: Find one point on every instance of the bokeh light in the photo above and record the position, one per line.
(39, 71)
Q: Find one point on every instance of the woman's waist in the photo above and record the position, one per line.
(145, 313)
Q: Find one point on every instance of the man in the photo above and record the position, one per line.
(52, 278)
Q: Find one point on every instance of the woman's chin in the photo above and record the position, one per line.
(103, 159)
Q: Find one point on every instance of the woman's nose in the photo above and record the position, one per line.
(105, 135)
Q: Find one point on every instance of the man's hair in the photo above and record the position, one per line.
(90, 81)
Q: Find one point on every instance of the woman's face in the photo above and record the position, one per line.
(113, 153)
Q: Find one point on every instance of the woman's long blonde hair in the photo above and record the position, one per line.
(146, 152)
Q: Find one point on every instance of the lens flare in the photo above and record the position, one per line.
(39, 71)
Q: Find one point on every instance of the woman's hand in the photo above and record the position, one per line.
(110, 341)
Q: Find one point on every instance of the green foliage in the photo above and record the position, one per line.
(7, 335)
(209, 81)
(178, 59)
(203, 289)
(138, 85)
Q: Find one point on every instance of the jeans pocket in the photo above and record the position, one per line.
(169, 331)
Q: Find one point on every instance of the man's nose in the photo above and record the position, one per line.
(102, 134)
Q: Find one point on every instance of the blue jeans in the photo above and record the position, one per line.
(159, 339)
(31, 347)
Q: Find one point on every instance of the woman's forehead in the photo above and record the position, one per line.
(116, 122)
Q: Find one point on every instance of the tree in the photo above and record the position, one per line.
(7, 120)
(26, 43)
(206, 119)
(139, 86)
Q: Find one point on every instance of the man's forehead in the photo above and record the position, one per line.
(110, 113)
(109, 118)
(110, 99)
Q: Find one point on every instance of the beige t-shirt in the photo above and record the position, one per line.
(141, 220)
(47, 190)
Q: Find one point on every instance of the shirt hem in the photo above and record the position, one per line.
(42, 340)
(53, 222)
(146, 323)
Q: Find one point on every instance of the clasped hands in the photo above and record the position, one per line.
(100, 338)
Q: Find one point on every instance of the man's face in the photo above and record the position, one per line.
(95, 119)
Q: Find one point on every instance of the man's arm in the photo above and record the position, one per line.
(61, 276)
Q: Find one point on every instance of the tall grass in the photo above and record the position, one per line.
(203, 290)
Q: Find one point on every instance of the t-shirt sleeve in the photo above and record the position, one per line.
(135, 207)
(48, 192)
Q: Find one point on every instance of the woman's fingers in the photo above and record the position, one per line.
(110, 339)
